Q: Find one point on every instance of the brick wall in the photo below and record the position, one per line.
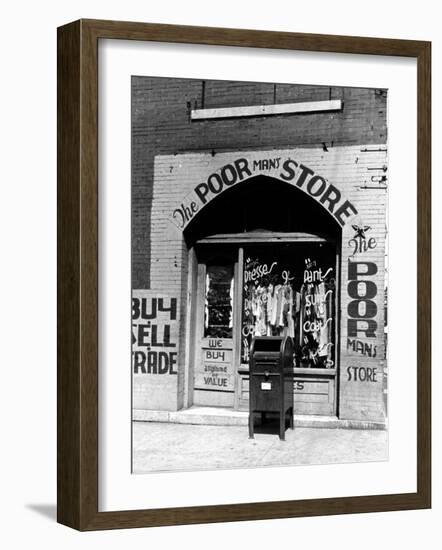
(161, 125)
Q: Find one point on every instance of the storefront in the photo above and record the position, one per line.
(265, 242)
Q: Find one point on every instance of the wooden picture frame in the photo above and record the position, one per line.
(77, 461)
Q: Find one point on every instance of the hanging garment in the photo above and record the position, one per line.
(275, 306)
(323, 341)
(268, 308)
(286, 305)
(292, 314)
(325, 350)
(281, 309)
(321, 302)
(261, 320)
(255, 311)
(269, 303)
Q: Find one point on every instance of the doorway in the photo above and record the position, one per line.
(215, 327)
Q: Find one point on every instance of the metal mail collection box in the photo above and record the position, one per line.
(271, 380)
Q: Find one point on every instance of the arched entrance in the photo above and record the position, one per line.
(264, 258)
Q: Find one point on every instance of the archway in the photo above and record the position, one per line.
(261, 237)
(262, 202)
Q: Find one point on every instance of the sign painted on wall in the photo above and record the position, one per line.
(155, 321)
(360, 243)
(285, 169)
(360, 347)
(362, 374)
(362, 309)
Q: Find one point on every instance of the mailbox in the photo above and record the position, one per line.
(271, 380)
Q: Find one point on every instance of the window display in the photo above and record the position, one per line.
(290, 291)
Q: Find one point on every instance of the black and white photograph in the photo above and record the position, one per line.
(259, 274)
(220, 237)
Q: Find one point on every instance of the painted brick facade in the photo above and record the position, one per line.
(171, 155)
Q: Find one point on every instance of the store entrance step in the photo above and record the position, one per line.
(211, 416)
(223, 416)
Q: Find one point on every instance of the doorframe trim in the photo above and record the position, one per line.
(237, 318)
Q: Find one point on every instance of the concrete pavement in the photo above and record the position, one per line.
(163, 446)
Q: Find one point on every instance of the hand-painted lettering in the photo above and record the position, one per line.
(289, 170)
(361, 309)
(361, 374)
(153, 342)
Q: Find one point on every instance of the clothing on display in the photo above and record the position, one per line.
(305, 312)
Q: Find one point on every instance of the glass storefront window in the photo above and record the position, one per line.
(218, 310)
(290, 290)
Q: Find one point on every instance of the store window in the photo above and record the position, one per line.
(290, 290)
(218, 307)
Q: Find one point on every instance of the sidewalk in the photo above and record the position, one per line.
(162, 446)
